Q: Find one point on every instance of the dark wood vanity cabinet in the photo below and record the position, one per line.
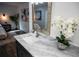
(21, 51)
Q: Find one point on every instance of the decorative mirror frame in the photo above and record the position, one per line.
(48, 14)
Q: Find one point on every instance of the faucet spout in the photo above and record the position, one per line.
(37, 34)
(36, 29)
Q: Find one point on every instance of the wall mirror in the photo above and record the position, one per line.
(42, 16)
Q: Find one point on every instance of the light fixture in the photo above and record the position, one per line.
(4, 17)
(3, 14)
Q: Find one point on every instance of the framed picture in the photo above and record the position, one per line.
(38, 14)
(25, 14)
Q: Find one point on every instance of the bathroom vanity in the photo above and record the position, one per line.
(44, 46)
(21, 51)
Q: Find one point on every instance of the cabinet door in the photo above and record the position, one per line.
(21, 51)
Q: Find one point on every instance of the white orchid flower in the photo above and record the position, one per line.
(67, 27)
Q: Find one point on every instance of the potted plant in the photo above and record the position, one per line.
(62, 42)
(14, 18)
(66, 30)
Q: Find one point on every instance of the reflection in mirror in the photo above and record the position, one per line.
(41, 11)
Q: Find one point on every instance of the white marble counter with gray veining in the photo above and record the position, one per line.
(44, 47)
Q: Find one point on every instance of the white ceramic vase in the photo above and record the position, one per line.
(61, 46)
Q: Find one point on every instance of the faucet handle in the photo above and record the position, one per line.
(37, 34)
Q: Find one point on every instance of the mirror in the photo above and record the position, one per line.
(42, 16)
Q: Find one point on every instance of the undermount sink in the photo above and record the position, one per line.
(31, 38)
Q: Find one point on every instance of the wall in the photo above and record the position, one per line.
(7, 9)
(66, 10)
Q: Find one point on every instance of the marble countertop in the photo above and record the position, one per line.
(45, 47)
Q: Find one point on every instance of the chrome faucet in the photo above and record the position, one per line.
(37, 34)
(36, 28)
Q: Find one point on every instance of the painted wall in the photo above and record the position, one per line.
(7, 9)
(66, 10)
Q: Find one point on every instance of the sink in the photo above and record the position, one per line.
(30, 38)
